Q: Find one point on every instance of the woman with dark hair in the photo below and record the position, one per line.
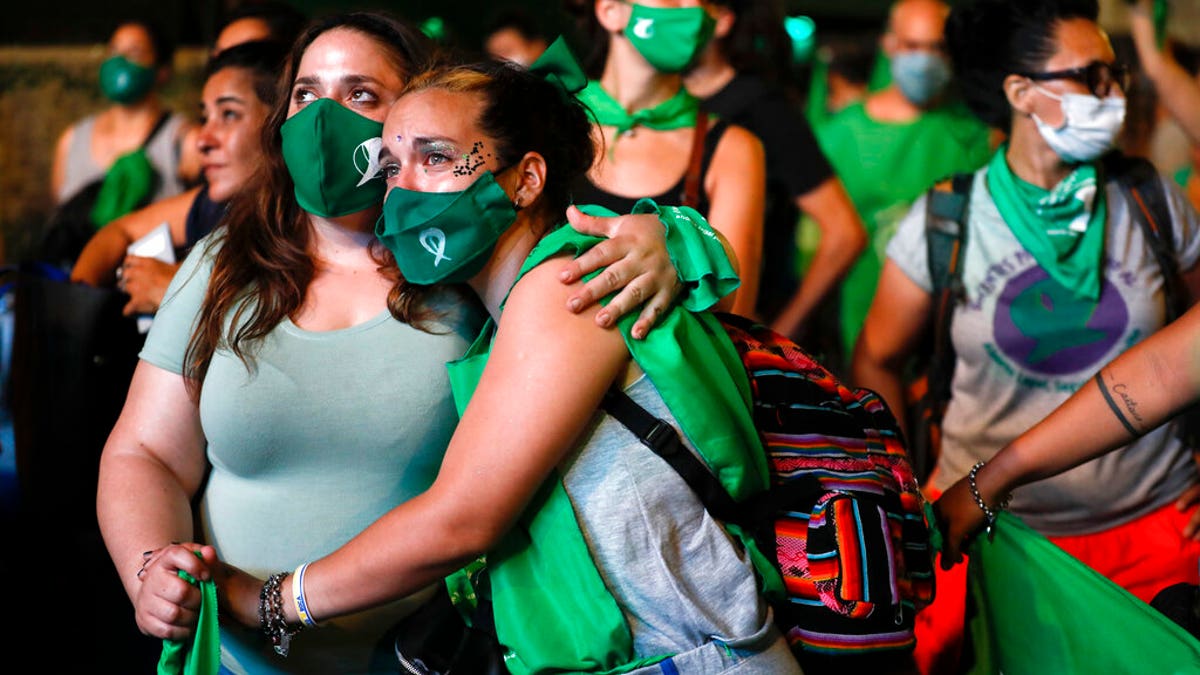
(640, 576)
(735, 79)
(654, 140)
(238, 93)
(1058, 279)
(292, 388)
(139, 64)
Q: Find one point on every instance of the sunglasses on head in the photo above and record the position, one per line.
(1098, 76)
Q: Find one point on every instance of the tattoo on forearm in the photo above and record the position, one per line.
(1130, 404)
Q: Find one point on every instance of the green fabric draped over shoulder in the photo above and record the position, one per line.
(552, 610)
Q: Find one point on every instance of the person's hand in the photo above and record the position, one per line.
(146, 281)
(636, 263)
(960, 519)
(1187, 500)
(167, 606)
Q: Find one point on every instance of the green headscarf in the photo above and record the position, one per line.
(1063, 228)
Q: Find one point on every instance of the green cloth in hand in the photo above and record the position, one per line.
(203, 655)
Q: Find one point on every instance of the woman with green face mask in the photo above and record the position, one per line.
(600, 558)
(293, 384)
(646, 127)
(139, 62)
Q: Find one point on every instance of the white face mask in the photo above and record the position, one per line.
(1090, 125)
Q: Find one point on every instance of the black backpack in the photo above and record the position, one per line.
(945, 238)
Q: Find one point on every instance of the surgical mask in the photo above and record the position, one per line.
(124, 81)
(445, 237)
(669, 38)
(1090, 126)
(921, 76)
(332, 154)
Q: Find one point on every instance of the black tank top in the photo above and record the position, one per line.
(586, 192)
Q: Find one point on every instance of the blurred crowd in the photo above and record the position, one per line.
(986, 214)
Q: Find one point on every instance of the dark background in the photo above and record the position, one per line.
(194, 23)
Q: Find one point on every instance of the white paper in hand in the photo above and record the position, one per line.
(156, 244)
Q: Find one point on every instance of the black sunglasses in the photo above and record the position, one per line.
(1097, 76)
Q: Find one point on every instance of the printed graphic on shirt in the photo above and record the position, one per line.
(1046, 336)
(1049, 330)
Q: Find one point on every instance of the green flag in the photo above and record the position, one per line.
(1033, 608)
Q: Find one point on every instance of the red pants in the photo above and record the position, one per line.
(1143, 556)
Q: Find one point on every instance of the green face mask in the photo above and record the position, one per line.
(669, 38)
(332, 154)
(445, 237)
(124, 81)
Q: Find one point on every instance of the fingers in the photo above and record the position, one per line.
(652, 312)
(167, 606)
(603, 254)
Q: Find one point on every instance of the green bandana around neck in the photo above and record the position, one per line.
(1062, 228)
(677, 112)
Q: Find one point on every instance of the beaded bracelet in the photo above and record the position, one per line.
(270, 614)
(989, 514)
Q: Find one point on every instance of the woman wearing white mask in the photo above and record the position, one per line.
(1058, 280)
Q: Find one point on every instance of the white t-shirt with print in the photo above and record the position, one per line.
(1025, 343)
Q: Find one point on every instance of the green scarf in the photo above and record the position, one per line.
(1063, 228)
(677, 112)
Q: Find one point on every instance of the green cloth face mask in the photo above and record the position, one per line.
(123, 81)
(445, 237)
(669, 38)
(332, 154)
(1063, 228)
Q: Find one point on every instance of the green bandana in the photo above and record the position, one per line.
(1063, 228)
(677, 112)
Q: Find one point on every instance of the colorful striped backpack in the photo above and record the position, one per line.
(844, 522)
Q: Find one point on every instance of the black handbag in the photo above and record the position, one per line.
(436, 640)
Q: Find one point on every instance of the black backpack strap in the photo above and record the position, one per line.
(946, 209)
(1140, 182)
(162, 122)
(662, 438)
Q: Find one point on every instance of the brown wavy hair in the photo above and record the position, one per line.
(263, 267)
